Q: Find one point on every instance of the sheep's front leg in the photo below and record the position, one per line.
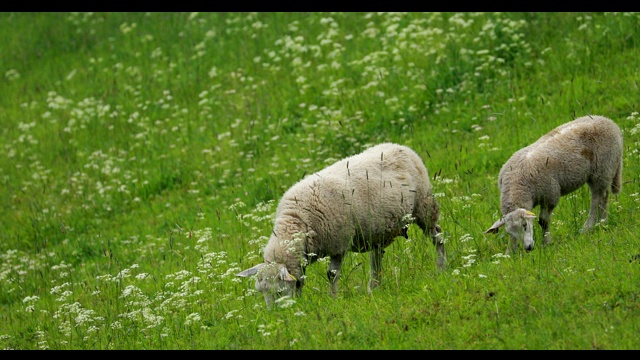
(438, 241)
(544, 220)
(333, 273)
(376, 267)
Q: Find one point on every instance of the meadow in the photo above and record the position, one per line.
(143, 156)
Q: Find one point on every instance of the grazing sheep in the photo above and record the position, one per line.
(585, 150)
(358, 204)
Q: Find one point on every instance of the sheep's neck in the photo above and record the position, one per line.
(292, 240)
(515, 197)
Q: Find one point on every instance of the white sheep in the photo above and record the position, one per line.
(585, 150)
(358, 204)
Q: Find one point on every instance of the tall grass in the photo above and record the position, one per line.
(144, 154)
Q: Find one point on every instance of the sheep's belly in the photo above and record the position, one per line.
(365, 241)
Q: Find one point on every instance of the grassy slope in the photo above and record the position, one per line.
(554, 77)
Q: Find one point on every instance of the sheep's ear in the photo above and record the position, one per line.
(529, 215)
(250, 271)
(494, 228)
(283, 273)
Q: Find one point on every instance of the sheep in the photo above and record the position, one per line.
(359, 204)
(585, 150)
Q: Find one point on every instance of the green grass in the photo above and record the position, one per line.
(143, 156)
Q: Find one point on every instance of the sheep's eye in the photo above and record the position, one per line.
(524, 226)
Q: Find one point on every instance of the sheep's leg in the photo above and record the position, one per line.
(300, 283)
(376, 267)
(438, 241)
(602, 206)
(404, 232)
(544, 220)
(333, 273)
(598, 210)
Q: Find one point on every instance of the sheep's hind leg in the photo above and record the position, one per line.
(598, 210)
(376, 267)
(333, 273)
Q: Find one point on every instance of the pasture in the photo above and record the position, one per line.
(143, 156)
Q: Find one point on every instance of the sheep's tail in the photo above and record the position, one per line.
(616, 184)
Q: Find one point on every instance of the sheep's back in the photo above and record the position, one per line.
(363, 195)
(564, 159)
(577, 150)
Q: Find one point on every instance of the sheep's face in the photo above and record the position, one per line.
(519, 224)
(274, 281)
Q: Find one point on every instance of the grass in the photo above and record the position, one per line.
(144, 154)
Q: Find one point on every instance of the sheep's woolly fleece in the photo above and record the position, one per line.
(360, 204)
(585, 150)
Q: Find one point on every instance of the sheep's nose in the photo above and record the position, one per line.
(529, 247)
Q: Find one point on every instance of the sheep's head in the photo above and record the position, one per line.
(272, 280)
(518, 224)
